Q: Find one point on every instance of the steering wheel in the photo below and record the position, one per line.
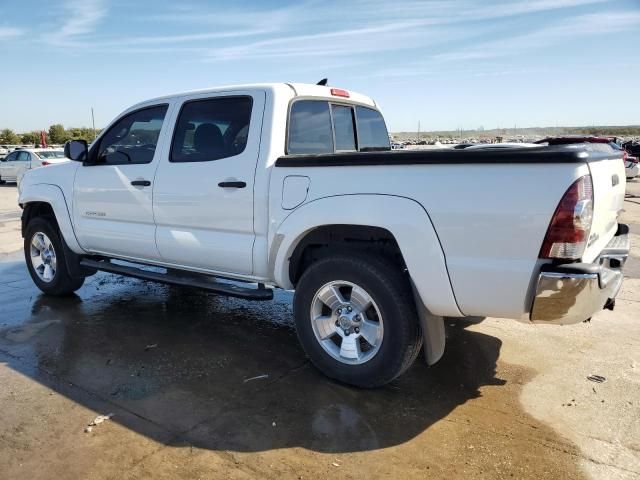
(124, 153)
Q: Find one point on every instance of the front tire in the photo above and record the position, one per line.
(356, 319)
(46, 262)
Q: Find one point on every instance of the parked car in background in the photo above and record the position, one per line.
(18, 162)
(632, 148)
(493, 146)
(462, 146)
(630, 163)
(631, 167)
(4, 151)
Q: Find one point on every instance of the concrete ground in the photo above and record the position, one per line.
(207, 387)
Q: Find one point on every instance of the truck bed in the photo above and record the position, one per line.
(490, 208)
(555, 154)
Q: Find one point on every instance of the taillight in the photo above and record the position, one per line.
(45, 163)
(568, 231)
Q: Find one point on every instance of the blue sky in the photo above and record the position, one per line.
(447, 64)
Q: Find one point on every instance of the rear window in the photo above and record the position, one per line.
(372, 131)
(317, 127)
(343, 124)
(51, 154)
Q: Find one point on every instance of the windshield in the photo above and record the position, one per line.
(50, 154)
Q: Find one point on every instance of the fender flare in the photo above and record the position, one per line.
(53, 195)
(403, 217)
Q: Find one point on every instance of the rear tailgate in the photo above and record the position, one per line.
(609, 183)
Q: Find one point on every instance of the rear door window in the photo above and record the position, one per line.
(211, 129)
(343, 126)
(372, 131)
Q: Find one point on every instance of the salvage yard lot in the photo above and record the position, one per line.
(208, 387)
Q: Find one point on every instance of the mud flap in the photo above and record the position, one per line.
(72, 261)
(432, 331)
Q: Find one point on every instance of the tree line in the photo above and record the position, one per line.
(56, 134)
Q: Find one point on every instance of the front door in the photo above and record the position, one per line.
(203, 196)
(8, 167)
(112, 209)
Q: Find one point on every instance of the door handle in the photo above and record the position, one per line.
(232, 184)
(141, 183)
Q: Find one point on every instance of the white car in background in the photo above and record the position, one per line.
(18, 162)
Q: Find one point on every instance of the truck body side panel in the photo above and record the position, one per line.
(404, 218)
(490, 220)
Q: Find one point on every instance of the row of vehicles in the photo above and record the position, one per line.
(630, 150)
(295, 186)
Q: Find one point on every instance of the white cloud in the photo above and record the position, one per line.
(10, 32)
(316, 28)
(580, 26)
(79, 18)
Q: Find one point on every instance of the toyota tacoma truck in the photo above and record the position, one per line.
(238, 190)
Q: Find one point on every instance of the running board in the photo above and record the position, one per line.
(226, 289)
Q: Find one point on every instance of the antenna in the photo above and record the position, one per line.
(323, 82)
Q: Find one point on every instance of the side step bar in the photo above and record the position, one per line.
(226, 289)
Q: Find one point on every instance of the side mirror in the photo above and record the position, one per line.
(76, 150)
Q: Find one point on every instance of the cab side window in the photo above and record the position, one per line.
(24, 157)
(310, 128)
(133, 139)
(12, 157)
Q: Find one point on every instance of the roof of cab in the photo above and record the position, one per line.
(299, 89)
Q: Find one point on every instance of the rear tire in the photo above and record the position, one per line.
(46, 262)
(390, 322)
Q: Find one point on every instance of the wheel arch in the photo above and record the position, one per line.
(400, 223)
(45, 199)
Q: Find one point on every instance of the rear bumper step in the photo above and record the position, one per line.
(574, 292)
(227, 289)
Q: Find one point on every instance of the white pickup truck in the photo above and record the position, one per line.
(295, 186)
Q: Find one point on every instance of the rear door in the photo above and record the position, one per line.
(112, 208)
(24, 163)
(203, 196)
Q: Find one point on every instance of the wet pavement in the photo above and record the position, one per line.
(209, 387)
(173, 365)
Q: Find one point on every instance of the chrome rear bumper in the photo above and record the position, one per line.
(574, 292)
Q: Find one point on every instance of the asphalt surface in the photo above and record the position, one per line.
(207, 387)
